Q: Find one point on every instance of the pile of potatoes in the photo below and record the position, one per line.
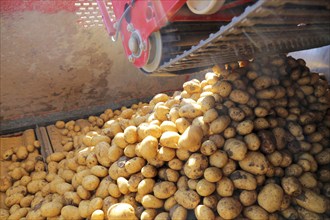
(250, 141)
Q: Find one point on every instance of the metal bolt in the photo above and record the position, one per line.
(143, 46)
(133, 45)
(130, 27)
(131, 58)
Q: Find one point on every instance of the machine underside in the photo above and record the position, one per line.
(264, 26)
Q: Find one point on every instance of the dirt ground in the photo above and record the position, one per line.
(51, 64)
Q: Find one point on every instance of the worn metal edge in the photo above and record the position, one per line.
(16, 125)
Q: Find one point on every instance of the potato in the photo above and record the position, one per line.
(190, 110)
(5, 183)
(99, 171)
(114, 153)
(19, 214)
(195, 165)
(270, 197)
(205, 188)
(210, 115)
(122, 185)
(296, 130)
(102, 151)
(70, 212)
(248, 197)
(13, 199)
(151, 202)
(26, 201)
(306, 215)
(182, 124)
(148, 214)
(243, 180)
(239, 96)
(208, 147)
(223, 88)
(229, 208)
(95, 204)
(191, 138)
(134, 165)
(225, 187)
(90, 182)
(255, 212)
(62, 187)
(83, 208)
(162, 216)
(220, 124)
(22, 152)
(97, 215)
(175, 164)
(178, 212)
(206, 102)
(192, 86)
(130, 134)
(255, 163)
(51, 209)
(235, 149)
(148, 147)
(312, 201)
(164, 190)
(170, 139)
(245, 127)
(252, 141)
(204, 212)
(189, 199)
(102, 189)
(212, 174)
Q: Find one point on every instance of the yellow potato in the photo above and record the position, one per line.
(191, 138)
(170, 139)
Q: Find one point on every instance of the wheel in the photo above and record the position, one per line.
(155, 53)
(205, 7)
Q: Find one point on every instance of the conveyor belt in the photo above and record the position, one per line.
(268, 26)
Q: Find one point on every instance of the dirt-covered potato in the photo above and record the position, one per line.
(70, 212)
(195, 165)
(164, 190)
(225, 187)
(255, 163)
(204, 212)
(178, 212)
(229, 208)
(255, 212)
(51, 209)
(243, 180)
(220, 124)
(90, 182)
(204, 187)
(312, 201)
(270, 197)
(235, 149)
(189, 199)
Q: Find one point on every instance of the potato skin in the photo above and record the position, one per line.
(195, 165)
(164, 190)
(70, 212)
(235, 149)
(255, 212)
(220, 124)
(51, 209)
(189, 199)
(255, 163)
(191, 138)
(120, 211)
(204, 212)
(229, 208)
(270, 197)
(311, 201)
(243, 180)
